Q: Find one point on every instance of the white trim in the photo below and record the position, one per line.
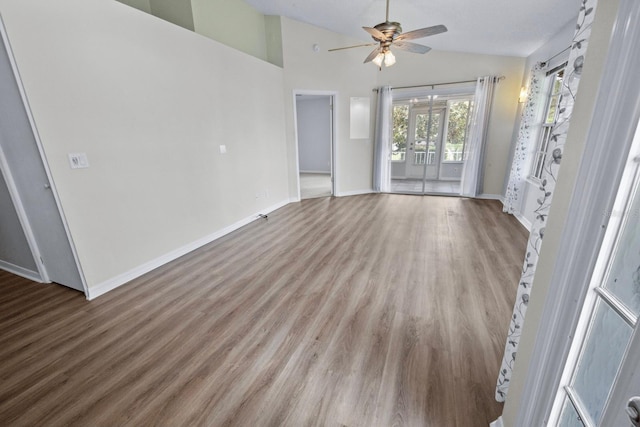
(486, 196)
(121, 279)
(317, 172)
(355, 193)
(333, 95)
(20, 271)
(522, 220)
(22, 217)
(617, 106)
(45, 164)
(497, 423)
(624, 196)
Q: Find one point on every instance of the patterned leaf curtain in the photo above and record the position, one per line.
(527, 136)
(546, 190)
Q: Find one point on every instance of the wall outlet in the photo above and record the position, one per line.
(78, 160)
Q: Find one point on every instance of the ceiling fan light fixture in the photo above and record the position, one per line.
(378, 59)
(387, 34)
(389, 58)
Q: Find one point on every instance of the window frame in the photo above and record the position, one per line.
(545, 131)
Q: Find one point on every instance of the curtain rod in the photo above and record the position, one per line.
(545, 63)
(496, 79)
(557, 68)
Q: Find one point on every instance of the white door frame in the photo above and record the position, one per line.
(425, 171)
(13, 190)
(42, 276)
(334, 124)
(618, 108)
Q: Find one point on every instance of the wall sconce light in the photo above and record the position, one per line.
(523, 95)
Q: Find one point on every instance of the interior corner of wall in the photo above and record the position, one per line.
(273, 36)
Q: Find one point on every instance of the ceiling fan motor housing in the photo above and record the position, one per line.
(390, 29)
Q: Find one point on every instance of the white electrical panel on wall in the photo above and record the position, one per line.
(360, 115)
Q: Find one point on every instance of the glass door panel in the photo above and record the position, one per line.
(399, 143)
(427, 143)
(609, 322)
(424, 150)
(600, 360)
(570, 417)
(624, 277)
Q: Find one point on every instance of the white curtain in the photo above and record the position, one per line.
(382, 151)
(526, 139)
(472, 174)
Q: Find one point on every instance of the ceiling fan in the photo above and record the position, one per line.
(387, 34)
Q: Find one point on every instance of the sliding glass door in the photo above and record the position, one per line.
(427, 144)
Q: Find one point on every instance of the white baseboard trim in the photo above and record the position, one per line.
(354, 193)
(524, 221)
(491, 197)
(121, 279)
(497, 423)
(318, 172)
(21, 271)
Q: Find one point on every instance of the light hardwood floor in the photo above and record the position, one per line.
(376, 310)
(314, 185)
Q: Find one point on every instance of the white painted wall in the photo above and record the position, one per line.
(442, 67)
(233, 23)
(341, 72)
(314, 133)
(176, 11)
(149, 103)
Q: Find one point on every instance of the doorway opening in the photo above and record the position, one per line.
(428, 141)
(314, 118)
(32, 217)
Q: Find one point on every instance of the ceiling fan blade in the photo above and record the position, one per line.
(422, 32)
(377, 34)
(351, 47)
(411, 47)
(372, 55)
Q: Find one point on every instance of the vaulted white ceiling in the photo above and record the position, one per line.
(499, 27)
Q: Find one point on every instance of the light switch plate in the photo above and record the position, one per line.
(78, 160)
(223, 149)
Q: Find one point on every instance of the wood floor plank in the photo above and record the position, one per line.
(374, 310)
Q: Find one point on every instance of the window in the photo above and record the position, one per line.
(400, 129)
(457, 125)
(549, 120)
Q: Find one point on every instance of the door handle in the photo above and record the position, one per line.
(633, 410)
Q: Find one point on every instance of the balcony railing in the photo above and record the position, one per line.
(420, 157)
